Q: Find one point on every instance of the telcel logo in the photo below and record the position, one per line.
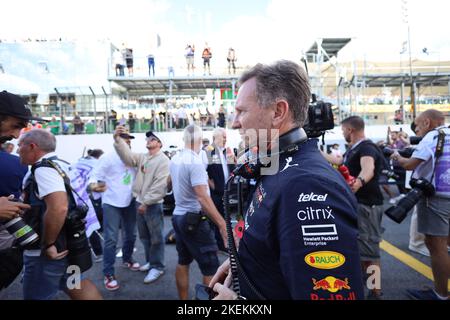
(325, 259)
(307, 197)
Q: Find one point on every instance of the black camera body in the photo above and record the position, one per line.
(76, 238)
(405, 153)
(320, 118)
(420, 187)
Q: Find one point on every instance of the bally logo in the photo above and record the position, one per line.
(325, 259)
(307, 197)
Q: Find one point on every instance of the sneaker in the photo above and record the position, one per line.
(110, 283)
(133, 266)
(427, 294)
(392, 201)
(119, 254)
(423, 250)
(145, 267)
(153, 275)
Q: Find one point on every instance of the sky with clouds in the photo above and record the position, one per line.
(259, 30)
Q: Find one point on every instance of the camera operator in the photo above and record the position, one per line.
(45, 267)
(194, 235)
(14, 116)
(283, 237)
(364, 161)
(433, 211)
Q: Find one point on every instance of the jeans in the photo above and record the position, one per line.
(112, 218)
(43, 278)
(150, 227)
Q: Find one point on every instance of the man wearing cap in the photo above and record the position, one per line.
(149, 188)
(14, 116)
(115, 179)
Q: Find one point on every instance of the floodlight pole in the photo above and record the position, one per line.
(105, 122)
(413, 90)
(95, 109)
(61, 113)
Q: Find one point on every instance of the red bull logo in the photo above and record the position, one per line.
(331, 284)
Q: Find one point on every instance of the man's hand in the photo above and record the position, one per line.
(221, 273)
(224, 293)
(11, 209)
(119, 130)
(53, 254)
(142, 209)
(356, 186)
(97, 187)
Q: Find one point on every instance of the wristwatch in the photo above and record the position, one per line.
(363, 182)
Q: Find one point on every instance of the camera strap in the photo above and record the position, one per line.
(47, 162)
(439, 150)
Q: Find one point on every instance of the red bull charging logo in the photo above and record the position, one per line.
(331, 284)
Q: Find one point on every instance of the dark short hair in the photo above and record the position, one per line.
(282, 80)
(354, 122)
(96, 153)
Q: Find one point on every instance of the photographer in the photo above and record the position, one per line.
(46, 263)
(300, 211)
(14, 116)
(433, 211)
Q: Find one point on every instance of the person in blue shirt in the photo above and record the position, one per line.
(11, 175)
(300, 231)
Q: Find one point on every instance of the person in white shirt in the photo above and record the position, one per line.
(116, 179)
(194, 236)
(433, 211)
(46, 264)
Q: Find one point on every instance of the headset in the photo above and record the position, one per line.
(252, 162)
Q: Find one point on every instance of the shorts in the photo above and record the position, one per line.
(433, 216)
(190, 60)
(200, 246)
(43, 278)
(129, 62)
(370, 230)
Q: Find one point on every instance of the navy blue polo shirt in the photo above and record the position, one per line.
(300, 237)
(11, 174)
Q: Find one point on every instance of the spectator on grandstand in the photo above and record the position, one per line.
(221, 117)
(206, 56)
(189, 52)
(128, 56)
(78, 124)
(118, 63)
(131, 121)
(231, 58)
(151, 64)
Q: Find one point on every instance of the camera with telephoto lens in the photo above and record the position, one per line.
(405, 153)
(420, 187)
(17, 227)
(77, 241)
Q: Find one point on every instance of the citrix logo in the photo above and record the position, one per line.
(307, 197)
(315, 214)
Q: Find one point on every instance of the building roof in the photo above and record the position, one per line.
(194, 85)
(331, 46)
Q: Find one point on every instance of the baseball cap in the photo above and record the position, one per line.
(149, 134)
(14, 106)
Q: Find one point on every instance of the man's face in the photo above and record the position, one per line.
(153, 143)
(221, 140)
(394, 136)
(250, 118)
(10, 128)
(26, 152)
(347, 131)
(423, 126)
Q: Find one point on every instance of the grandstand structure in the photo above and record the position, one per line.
(62, 78)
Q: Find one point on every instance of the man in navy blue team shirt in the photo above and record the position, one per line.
(299, 239)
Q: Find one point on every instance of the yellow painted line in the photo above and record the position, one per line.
(409, 260)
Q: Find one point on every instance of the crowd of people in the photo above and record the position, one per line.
(306, 232)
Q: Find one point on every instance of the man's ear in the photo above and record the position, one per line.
(427, 123)
(281, 113)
